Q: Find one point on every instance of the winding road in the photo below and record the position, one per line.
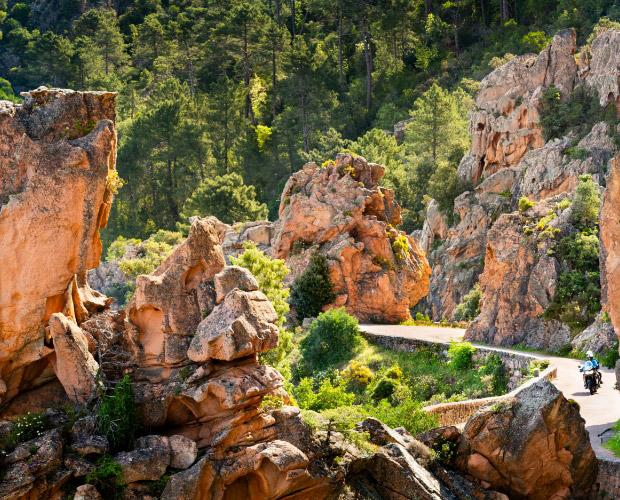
(600, 411)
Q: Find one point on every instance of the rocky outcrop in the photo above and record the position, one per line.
(509, 159)
(519, 281)
(56, 186)
(341, 211)
(534, 446)
(504, 125)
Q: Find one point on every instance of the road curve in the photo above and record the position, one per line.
(600, 411)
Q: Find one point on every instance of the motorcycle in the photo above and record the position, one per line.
(590, 376)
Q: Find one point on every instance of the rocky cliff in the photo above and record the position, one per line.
(57, 170)
(491, 241)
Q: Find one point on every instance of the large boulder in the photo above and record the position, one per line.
(534, 446)
(341, 211)
(57, 174)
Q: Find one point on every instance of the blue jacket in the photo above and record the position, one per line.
(594, 362)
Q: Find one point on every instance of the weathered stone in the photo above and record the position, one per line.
(599, 337)
(243, 324)
(599, 66)
(183, 452)
(73, 364)
(91, 445)
(435, 227)
(148, 462)
(343, 213)
(519, 281)
(535, 446)
(58, 145)
(86, 492)
(232, 277)
(79, 467)
(175, 298)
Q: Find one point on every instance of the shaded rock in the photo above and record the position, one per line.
(73, 364)
(243, 324)
(86, 492)
(259, 233)
(343, 213)
(435, 227)
(183, 452)
(599, 337)
(91, 445)
(59, 149)
(79, 467)
(535, 446)
(599, 66)
(232, 277)
(148, 462)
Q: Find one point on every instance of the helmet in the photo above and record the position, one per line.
(590, 354)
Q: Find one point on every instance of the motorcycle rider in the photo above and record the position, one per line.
(595, 366)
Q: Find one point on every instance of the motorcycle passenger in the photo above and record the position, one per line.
(595, 366)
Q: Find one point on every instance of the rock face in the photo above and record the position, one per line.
(58, 160)
(535, 446)
(341, 211)
(508, 160)
(505, 124)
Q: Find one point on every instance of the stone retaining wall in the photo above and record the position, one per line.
(608, 480)
(460, 411)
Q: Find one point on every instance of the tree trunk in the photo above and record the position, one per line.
(504, 10)
(172, 204)
(369, 66)
(293, 20)
(482, 13)
(340, 59)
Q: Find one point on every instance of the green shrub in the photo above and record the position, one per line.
(385, 388)
(269, 273)
(271, 402)
(586, 203)
(461, 355)
(313, 289)
(614, 442)
(328, 395)
(357, 375)
(400, 247)
(408, 414)
(107, 477)
(334, 338)
(610, 356)
(116, 415)
(469, 308)
(525, 204)
(494, 367)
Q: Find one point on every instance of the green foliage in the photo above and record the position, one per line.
(494, 368)
(107, 477)
(614, 442)
(408, 414)
(227, 198)
(400, 247)
(270, 274)
(334, 337)
(610, 356)
(116, 415)
(313, 289)
(469, 308)
(576, 113)
(6, 91)
(535, 41)
(26, 427)
(461, 354)
(586, 203)
(357, 375)
(270, 403)
(525, 204)
(327, 396)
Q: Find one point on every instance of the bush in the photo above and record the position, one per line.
(107, 477)
(610, 356)
(313, 289)
(357, 375)
(270, 274)
(385, 388)
(116, 415)
(469, 308)
(525, 204)
(400, 247)
(494, 367)
(409, 414)
(614, 442)
(586, 203)
(334, 338)
(328, 395)
(461, 354)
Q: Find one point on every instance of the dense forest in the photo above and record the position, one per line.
(221, 100)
